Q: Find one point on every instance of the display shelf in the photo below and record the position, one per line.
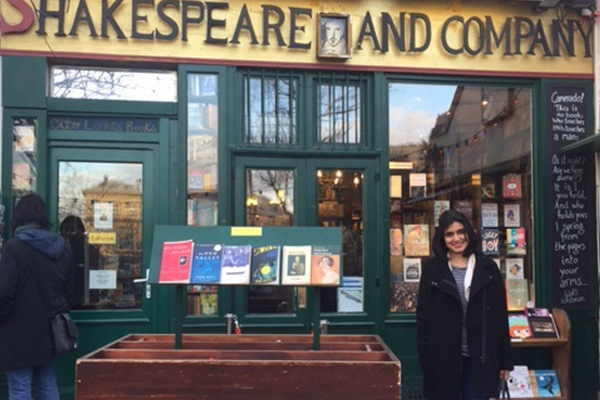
(561, 352)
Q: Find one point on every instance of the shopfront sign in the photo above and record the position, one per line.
(380, 33)
(126, 125)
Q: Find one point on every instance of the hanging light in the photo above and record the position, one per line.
(356, 180)
(338, 173)
(319, 174)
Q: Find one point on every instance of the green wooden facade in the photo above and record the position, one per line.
(24, 94)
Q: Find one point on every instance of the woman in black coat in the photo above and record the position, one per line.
(462, 323)
(26, 346)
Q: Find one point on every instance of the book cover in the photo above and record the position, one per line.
(416, 240)
(418, 184)
(235, 265)
(439, 206)
(517, 293)
(488, 190)
(350, 295)
(396, 186)
(325, 265)
(518, 326)
(295, 268)
(511, 186)
(395, 242)
(489, 215)
(412, 269)
(206, 264)
(547, 383)
(175, 262)
(519, 383)
(265, 265)
(465, 207)
(541, 323)
(515, 242)
(490, 242)
(514, 268)
(512, 215)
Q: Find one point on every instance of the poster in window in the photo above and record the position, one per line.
(103, 215)
(418, 185)
(489, 215)
(396, 242)
(412, 269)
(515, 242)
(465, 207)
(490, 242)
(511, 186)
(350, 295)
(488, 190)
(439, 206)
(396, 186)
(512, 215)
(514, 268)
(416, 240)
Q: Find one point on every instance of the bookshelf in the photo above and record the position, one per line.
(561, 351)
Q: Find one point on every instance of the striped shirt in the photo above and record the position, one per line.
(459, 278)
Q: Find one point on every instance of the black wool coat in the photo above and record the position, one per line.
(439, 330)
(25, 336)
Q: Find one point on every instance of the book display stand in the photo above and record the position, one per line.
(560, 348)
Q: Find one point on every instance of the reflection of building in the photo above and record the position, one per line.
(264, 211)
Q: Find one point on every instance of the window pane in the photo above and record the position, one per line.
(202, 176)
(270, 202)
(24, 162)
(100, 212)
(113, 84)
(462, 147)
(270, 110)
(341, 204)
(339, 113)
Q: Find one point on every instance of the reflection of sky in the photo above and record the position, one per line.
(414, 110)
(282, 180)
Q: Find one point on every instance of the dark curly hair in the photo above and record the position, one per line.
(30, 210)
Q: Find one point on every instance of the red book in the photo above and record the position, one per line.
(511, 186)
(176, 262)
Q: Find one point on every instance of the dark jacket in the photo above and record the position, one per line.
(439, 330)
(24, 323)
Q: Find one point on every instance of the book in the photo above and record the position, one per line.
(517, 294)
(175, 262)
(546, 382)
(325, 265)
(512, 215)
(511, 186)
(235, 265)
(518, 326)
(395, 242)
(206, 264)
(519, 382)
(350, 295)
(396, 186)
(295, 268)
(490, 242)
(489, 215)
(515, 242)
(412, 269)
(514, 268)
(416, 240)
(264, 269)
(439, 206)
(541, 323)
(488, 190)
(465, 207)
(418, 184)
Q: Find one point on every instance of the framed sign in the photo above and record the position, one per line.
(334, 36)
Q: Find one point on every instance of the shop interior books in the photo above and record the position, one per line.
(186, 262)
(526, 383)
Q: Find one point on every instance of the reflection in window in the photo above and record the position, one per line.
(462, 147)
(202, 173)
(270, 202)
(339, 113)
(270, 110)
(100, 214)
(113, 84)
(24, 157)
(341, 204)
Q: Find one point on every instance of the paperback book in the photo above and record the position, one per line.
(519, 382)
(295, 268)
(511, 186)
(517, 293)
(546, 383)
(518, 326)
(512, 215)
(175, 262)
(206, 264)
(541, 323)
(325, 265)
(515, 242)
(488, 190)
(465, 207)
(412, 269)
(514, 268)
(489, 215)
(235, 265)
(416, 240)
(439, 206)
(265, 265)
(490, 242)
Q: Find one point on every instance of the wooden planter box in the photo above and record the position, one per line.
(240, 367)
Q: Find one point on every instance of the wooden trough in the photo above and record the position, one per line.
(240, 367)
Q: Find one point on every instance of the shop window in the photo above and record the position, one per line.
(113, 84)
(202, 173)
(467, 148)
(270, 109)
(339, 111)
(24, 157)
(270, 202)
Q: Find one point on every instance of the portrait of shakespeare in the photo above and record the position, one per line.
(334, 37)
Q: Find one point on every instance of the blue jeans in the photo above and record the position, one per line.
(468, 392)
(21, 380)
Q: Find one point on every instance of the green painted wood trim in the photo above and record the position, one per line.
(111, 321)
(24, 82)
(114, 107)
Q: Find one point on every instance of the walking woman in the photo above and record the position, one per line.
(35, 265)
(462, 326)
